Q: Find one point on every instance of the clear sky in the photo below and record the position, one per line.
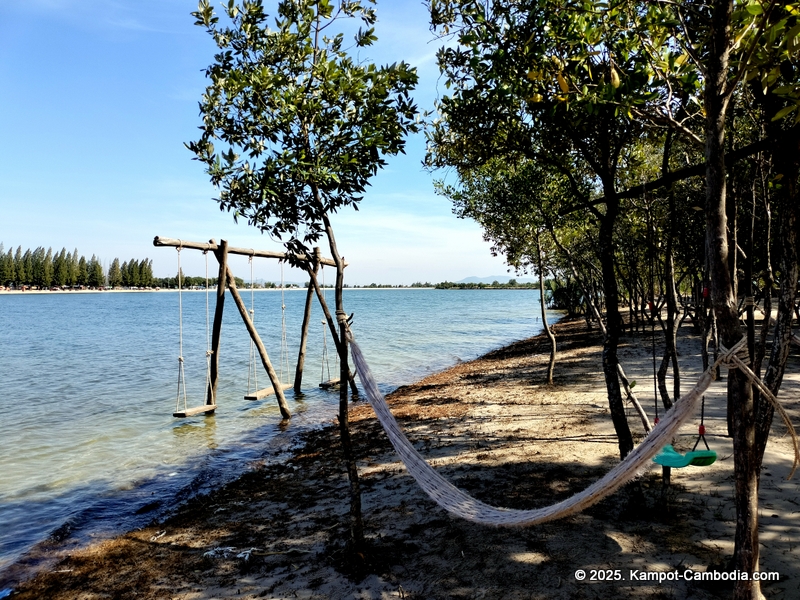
(97, 98)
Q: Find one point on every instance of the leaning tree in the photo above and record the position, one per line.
(293, 129)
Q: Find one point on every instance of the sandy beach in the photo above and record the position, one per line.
(497, 430)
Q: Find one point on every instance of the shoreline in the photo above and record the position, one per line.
(495, 429)
(295, 288)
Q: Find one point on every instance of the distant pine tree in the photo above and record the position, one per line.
(96, 277)
(10, 271)
(114, 274)
(73, 268)
(133, 273)
(83, 272)
(146, 273)
(19, 267)
(27, 261)
(47, 269)
(61, 268)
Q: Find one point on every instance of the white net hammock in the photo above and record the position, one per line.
(461, 504)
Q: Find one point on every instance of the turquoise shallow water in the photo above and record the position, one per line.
(88, 385)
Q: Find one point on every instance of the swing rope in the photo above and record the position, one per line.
(181, 394)
(326, 364)
(210, 392)
(284, 343)
(325, 361)
(701, 430)
(252, 368)
(653, 343)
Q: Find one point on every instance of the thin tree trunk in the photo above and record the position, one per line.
(614, 323)
(671, 289)
(769, 283)
(547, 329)
(356, 518)
(587, 287)
(724, 303)
(789, 166)
(634, 400)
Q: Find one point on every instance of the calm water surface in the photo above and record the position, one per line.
(88, 386)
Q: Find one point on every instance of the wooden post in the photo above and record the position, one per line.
(301, 357)
(273, 376)
(331, 326)
(221, 254)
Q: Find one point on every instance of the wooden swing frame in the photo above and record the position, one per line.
(226, 280)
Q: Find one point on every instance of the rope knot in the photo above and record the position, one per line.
(736, 357)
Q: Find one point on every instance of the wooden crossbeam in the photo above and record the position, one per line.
(211, 246)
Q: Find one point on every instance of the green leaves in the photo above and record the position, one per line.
(754, 9)
(204, 14)
(784, 112)
(300, 127)
(366, 38)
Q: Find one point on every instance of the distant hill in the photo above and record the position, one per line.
(497, 278)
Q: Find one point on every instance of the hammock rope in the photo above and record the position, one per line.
(461, 504)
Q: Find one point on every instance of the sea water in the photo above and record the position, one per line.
(89, 381)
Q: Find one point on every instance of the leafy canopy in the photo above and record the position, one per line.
(293, 125)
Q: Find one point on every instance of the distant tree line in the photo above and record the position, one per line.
(45, 268)
(189, 282)
(132, 273)
(512, 283)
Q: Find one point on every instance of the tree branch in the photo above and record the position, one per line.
(674, 176)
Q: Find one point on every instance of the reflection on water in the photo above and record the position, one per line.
(87, 390)
(205, 431)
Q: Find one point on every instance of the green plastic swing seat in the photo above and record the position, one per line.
(668, 457)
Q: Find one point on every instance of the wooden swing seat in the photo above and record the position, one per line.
(190, 412)
(266, 392)
(326, 385)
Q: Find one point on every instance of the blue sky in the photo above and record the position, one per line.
(97, 98)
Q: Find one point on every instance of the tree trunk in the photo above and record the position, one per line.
(586, 287)
(356, 519)
(634, 400)
(613, 323)
(788, 164)
(547, 330)
(723, 302)
(673, 323)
